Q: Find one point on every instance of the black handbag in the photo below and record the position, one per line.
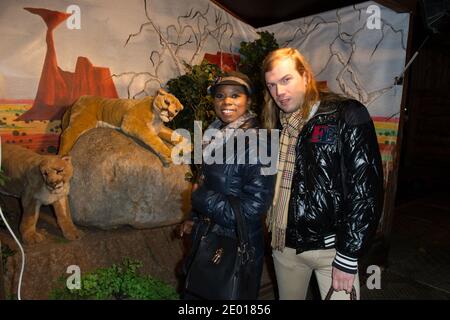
(221, 267)
(331, 290)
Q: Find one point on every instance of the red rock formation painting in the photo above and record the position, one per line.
(58, 88)
(225, 61)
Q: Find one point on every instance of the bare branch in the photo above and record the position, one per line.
(190, 33)
(347, 78)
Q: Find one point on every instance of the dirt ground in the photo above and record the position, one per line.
(159, 250)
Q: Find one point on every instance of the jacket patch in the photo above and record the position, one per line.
(324, 134)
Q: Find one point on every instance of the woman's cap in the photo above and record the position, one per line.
(232, 78)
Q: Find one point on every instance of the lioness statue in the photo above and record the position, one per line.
(38, 180)
(142, 119)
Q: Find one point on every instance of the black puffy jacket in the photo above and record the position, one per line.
(337, 188)
(245, 181)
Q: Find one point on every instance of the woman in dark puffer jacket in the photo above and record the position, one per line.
(223, 175)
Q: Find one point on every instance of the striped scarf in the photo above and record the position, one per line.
(277, 217)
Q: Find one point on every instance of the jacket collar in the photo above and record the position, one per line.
(326, 107)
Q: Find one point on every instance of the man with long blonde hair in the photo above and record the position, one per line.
(329, 189)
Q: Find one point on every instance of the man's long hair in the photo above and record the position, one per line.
(270, 113)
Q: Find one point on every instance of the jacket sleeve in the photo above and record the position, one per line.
(362, 176)
(253, 189)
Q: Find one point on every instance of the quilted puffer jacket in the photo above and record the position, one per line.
(337, 188)
(245, 181)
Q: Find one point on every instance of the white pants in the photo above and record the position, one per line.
(294, 271)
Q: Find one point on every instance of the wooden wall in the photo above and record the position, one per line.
(425, 158)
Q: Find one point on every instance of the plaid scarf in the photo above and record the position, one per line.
(277, 217)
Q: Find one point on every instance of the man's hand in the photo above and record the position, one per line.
(342, 280)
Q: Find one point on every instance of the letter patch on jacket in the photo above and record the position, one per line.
(324, 134)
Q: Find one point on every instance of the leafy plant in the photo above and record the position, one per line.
(191, 90)
(117, 282)
(252, 56)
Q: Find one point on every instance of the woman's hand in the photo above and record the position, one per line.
(186, 228)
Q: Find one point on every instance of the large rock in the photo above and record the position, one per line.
(119, 181)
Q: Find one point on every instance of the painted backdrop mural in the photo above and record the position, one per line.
(51, 52)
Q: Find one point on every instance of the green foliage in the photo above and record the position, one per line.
(191, 90)
(117, 282)
(252, 56)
